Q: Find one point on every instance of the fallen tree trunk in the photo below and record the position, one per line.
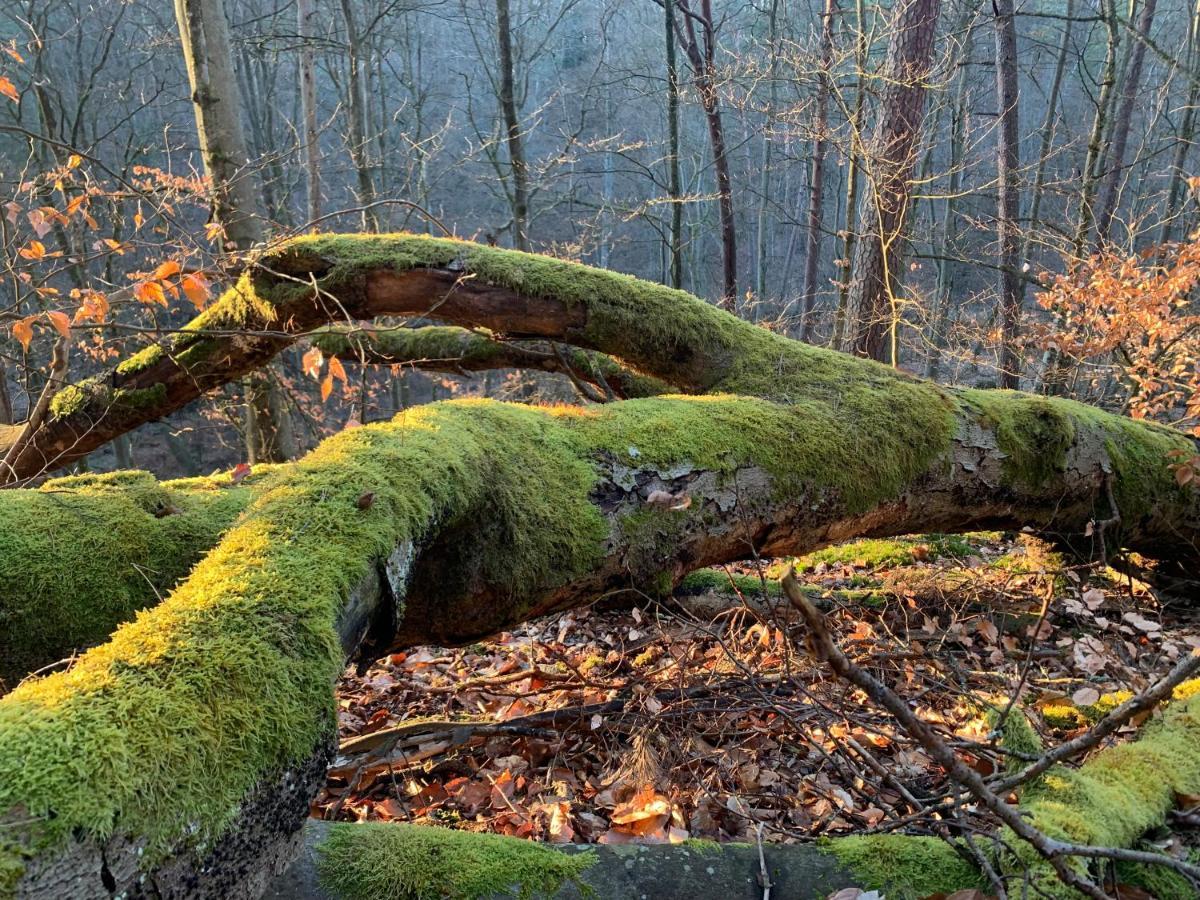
(374, 862)
(179, 758)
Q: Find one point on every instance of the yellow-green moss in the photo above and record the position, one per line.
(878, 553)
(408, 862)
(1117, 795)
(84, 553)
(1016, 734)
(906, 867)
(704, 580)
(230, 678)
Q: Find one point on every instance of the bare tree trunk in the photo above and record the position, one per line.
(356, 102)
(853, 176)
(237, 201)
(701, 54)
(308, 105)
(764, 176)
(945, 264)
(1110, 197)
(1012, 285)
(1049, 125)
(675, 188)
(1095, 152)
(816, 196)
(1187, 132)
(872, 304)
(204, 31)
(519, 190)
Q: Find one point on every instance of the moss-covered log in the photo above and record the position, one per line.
(398, 862)
(447, 348)
(178, 759)
(482, 515)
(84, 553)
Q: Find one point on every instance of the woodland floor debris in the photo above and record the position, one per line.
(645, 725)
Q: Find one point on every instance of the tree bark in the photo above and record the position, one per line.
(308, 106)
(701, 52)
(872, 305)
(674, 184)
(1011, 284)
(518, 168)
(1110, 196)
(237, 199)
(816, 198)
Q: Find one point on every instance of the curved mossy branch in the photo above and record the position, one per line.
(447, 348)
(482, 516)
(84, 553)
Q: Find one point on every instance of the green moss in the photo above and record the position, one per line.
(1116, 796)
(71, 399)
(229, 679)
(1016, 735)
(141, 360)
(1033, 432)
(704, 580)
(885, 553)
(904, 866)
(84, 553)
(408, 862)
(1160, 882)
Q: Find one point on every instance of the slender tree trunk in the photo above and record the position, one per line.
(1092, 165)
(1187, 131)
(207, 52)
(816, 194)
(675, 189)
(946, 265)
(701, 54)
(764, 176)
(1012, 285)
(308, 105)
(1049, 126)
(872, 307)
(519, 188)
(1110, 196)
(853, 176)
(237, 200)
(356, 103)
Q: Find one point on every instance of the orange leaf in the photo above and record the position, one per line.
(150, 292)
(61, 323)
(166, 270)
(311, 363)
(8, 89)
(74, 160)
(23, 331)
(94, 307)
(326, 388)
(35, 250)
(197, 289)
(336, 369)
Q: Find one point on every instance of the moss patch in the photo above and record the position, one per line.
(84, 553)
(1118, 795)
(408, 862)
(876, 553)
(904, 866)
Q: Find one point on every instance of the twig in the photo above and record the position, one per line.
(827, 650)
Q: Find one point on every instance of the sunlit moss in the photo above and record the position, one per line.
(406, 862)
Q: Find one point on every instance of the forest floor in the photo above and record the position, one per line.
(686, 720)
